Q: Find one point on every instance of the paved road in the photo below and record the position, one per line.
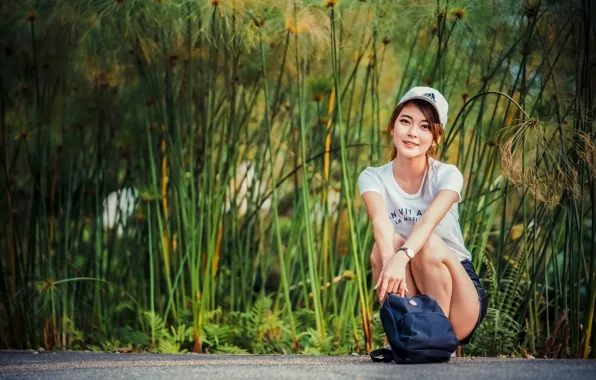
(92, 365)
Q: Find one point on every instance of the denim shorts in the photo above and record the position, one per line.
(482, 297)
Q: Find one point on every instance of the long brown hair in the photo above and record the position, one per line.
(430, 114)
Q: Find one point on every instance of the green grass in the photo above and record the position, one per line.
(243, 127)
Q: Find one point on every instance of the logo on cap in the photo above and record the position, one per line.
(430, 95)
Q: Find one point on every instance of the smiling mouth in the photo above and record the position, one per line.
(410, 144)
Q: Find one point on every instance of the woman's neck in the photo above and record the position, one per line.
(409, 168)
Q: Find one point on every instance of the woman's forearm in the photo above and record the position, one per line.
(427, 223)
(383, 232)
(419, 236)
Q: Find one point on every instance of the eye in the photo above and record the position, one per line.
(426, 127)
(404, 121)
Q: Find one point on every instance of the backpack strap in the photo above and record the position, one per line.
(383, 355)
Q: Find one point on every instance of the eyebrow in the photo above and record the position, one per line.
(411, 118)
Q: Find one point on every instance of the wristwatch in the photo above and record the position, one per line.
(409, 252)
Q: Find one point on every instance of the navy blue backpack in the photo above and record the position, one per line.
(418, 331)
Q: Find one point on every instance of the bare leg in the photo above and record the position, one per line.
(433, 278)
(440, 275)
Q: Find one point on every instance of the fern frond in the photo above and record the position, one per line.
(217, 334)
(156, 324)
(168, 347)
(229, 349)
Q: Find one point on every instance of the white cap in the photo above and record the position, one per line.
(432, 96)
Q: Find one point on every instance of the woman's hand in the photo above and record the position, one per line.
(393, 277)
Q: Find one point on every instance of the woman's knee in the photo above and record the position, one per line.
(375, 255)
(435, 252)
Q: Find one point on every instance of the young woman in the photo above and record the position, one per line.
(412, 202)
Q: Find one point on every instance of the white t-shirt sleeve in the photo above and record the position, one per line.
(450, 178)
(368, 180)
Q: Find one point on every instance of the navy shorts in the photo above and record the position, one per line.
(482, 297)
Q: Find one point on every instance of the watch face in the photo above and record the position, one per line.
(408, 251)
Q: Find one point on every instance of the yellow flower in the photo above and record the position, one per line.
(458, 13)
(348, 275)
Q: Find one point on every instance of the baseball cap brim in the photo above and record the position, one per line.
(426, 100)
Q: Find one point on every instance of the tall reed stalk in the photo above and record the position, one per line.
(236, 131)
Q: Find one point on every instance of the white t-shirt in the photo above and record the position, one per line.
(404, 209)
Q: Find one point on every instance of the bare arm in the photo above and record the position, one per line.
(393, 278)
(433, 215)
(382, 227)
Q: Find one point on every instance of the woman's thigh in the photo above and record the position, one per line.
(464, 307)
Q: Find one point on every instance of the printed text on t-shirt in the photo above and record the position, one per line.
(405, 215)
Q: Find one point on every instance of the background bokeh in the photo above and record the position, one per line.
(180, 175)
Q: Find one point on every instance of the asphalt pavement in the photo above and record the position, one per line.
(95, 365)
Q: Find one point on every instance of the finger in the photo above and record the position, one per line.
(404, 287)
(406, 284)
(395, 288)
(384, 287)
(400, 288)
(379, 280)
(390, 288)
(387, 283)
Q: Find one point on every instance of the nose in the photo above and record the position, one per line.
(412, 130)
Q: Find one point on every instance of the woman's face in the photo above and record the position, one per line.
(411, 132)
